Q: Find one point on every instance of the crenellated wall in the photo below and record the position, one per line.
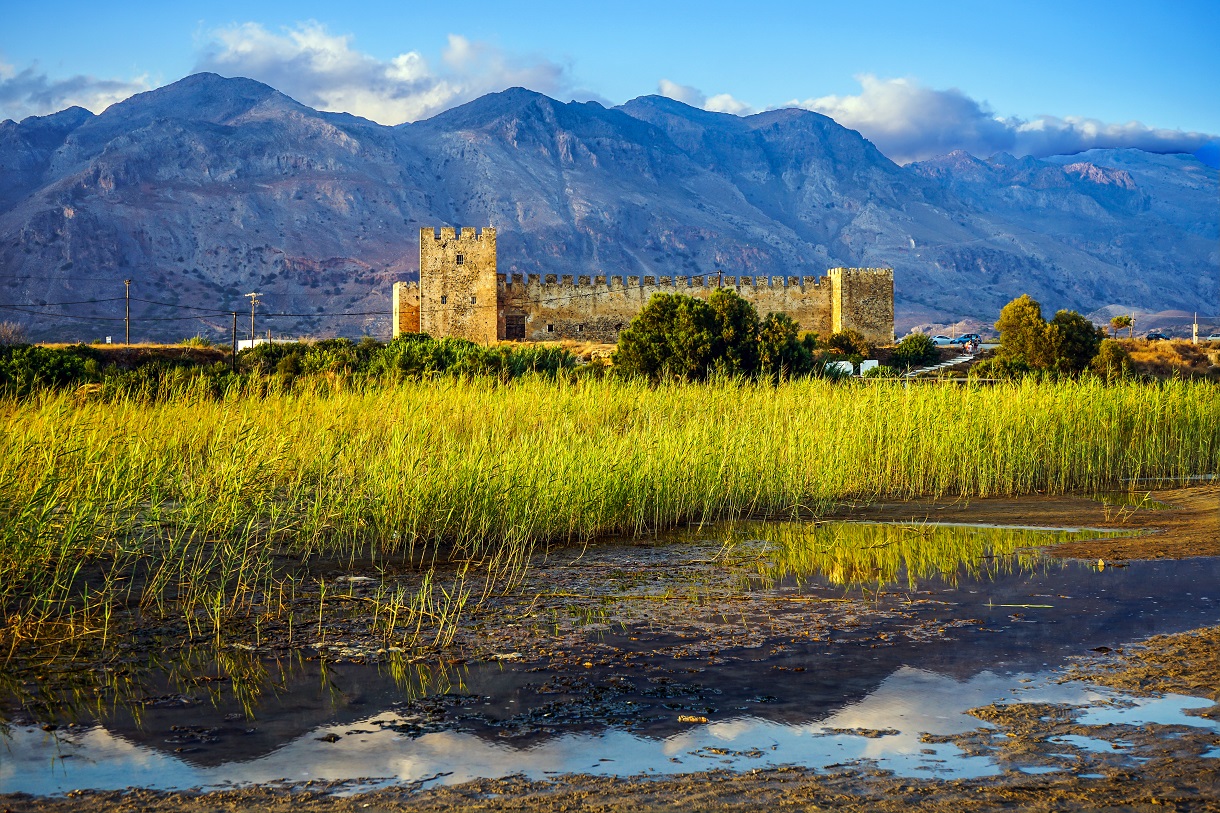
(466, 297)
(597, 308)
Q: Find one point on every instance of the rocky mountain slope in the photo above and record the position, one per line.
(209, 188)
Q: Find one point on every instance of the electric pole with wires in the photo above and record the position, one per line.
(127, 314)
(253, 303)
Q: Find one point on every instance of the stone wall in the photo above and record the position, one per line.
(863, 300)
(597, 308)
(457, 283)
(460, 294)
(406, 307)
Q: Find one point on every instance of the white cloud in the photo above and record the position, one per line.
(324, 71)
(910, 122)
(30, 92)
(720, 103)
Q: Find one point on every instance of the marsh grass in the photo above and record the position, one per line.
(232, 511)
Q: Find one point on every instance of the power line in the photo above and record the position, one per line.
(61, 304)
(105, 318)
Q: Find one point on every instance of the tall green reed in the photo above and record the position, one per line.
(202, 507)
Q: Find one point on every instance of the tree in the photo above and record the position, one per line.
(737, 326)
(1119, 322)
(673, 336)
(1067, 344)
(780, 352)
(1023, 333)
(1074, 341)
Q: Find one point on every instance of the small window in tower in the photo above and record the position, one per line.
(472, 300)
(444, 299)
(461, 259)
(550, 328)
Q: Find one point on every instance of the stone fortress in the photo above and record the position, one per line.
(460, 294)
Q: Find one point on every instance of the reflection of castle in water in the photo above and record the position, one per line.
(799, 685)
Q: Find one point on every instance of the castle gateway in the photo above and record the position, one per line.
(460, 294)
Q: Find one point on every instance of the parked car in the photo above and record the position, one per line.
(1156, 336)
(966, 338)
(941, 341)
(1215, 337)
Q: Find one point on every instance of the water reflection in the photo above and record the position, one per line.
(861, 554)
(1006, 617)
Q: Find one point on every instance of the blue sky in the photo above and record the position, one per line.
(917, 78)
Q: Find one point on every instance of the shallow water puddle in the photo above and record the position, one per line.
(932, 636)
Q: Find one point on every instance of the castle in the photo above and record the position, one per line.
(460, 294)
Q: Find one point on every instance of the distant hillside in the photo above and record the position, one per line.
(210, 188)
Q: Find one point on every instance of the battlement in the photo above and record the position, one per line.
(838, 272)
(618, 282)
(466, 233)
(460, 293)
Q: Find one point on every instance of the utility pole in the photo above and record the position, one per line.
(127, 316)
(719, 278)
(234, 358)
(253, 302)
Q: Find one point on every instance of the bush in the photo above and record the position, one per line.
(849, 343)
(1112, 362)
(999, 367)
(916, 350)
(880, 371)
(11, 333)
(27, 368)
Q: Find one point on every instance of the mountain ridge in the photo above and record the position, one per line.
(210, 187)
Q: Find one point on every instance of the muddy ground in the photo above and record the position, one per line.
(1152, 767)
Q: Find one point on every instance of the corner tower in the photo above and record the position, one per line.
(862, 299)
(457, 283)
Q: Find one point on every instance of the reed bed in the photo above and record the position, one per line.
(203, 509)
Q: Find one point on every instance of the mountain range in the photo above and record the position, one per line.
(209, 188)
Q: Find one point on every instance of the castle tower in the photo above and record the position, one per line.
(457, 283)
(862, 299)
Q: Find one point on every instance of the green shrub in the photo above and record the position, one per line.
(27, 368)
(916, 350)
(1112, 362)
(849, 343)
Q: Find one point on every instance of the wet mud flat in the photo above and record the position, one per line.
(680, 675)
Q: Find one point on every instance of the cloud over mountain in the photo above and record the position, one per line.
(910, 122)
(31, 92)
(324, 70)
(720, 103)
